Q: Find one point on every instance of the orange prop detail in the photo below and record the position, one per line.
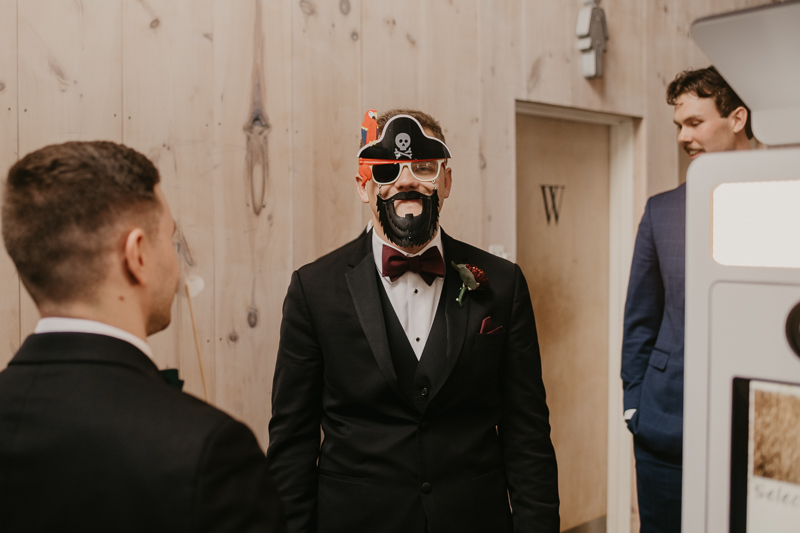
(369, 128)
(365, 173)
(369, 133)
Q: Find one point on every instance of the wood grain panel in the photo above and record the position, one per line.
(548, 51)
(167, 54)
(9, 282)
(326, 121)
(566, 265)
(499, 33)
(393, 45)
(70, 72)
(252, 240)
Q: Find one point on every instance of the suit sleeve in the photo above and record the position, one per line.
(644, 309)
(234, 489)
(528, 455)
(294, 430)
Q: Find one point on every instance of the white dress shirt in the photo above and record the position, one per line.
(79, 325)
(413, 300)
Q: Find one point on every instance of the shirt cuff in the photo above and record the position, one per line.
(628, 414)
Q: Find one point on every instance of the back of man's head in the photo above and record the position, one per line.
(64, 207)
(708, 83)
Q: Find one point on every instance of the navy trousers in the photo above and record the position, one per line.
(658, 486)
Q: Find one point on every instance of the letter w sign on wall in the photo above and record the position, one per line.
(553, 196)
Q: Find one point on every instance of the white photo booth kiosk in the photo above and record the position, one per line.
(741, 458)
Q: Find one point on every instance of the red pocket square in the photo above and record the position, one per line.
(487, 327)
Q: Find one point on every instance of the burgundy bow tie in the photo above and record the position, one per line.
(428, 265)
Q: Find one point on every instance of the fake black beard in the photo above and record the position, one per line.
(409, 231)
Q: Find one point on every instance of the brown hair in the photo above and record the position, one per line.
(424, 119)
(61, 207)
(708, 83)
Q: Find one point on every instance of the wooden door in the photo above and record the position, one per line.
(562, 248)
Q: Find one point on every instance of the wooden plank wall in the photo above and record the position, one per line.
(253, 163)
(251, 110)
(9, 282)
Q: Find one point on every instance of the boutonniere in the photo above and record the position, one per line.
(472, 278)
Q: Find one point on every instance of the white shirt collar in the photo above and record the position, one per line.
(79, 325)
(378, 243)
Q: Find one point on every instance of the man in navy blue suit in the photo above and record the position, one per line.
(710, 118)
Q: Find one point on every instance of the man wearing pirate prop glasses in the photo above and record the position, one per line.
(430, 400)
(409, 217)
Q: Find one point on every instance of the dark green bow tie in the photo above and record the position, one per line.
(170, 377)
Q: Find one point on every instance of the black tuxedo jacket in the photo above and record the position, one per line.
(93, 439)
(391, 464)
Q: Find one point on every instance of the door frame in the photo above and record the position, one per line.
(622, 231)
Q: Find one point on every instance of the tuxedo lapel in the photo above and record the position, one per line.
(457, 317)
(363, 288)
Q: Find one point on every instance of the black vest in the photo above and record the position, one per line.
(416, 378)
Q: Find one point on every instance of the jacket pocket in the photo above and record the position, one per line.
(633, 423)
(658, 359)
(341, 477)
(488, 471)
(489, 339)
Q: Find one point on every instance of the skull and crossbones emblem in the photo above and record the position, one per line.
(403, 142)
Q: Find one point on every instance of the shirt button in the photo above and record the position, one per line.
(424, 425)
(417, 339)
(416, 291)
(424, 391)
(426, 488)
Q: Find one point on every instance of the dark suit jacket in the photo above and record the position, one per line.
(385, 464)
(93, 439)
(652, 345)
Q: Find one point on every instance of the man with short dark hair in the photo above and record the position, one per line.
(710, 118)
(92, 437)
(417, 356)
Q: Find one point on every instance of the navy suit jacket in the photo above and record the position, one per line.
(652, 344)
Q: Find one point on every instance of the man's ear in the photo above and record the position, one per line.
(134, 256)
(362, 189)
(739, 118)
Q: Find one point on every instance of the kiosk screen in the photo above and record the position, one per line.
(765, 457)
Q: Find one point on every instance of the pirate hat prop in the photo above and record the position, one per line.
(403, 139)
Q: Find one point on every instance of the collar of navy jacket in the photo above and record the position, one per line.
(364, 290)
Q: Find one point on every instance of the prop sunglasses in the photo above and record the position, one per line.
(387, 172)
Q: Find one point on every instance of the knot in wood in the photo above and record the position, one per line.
(258, 124)
(308, 8)
(252, 317)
